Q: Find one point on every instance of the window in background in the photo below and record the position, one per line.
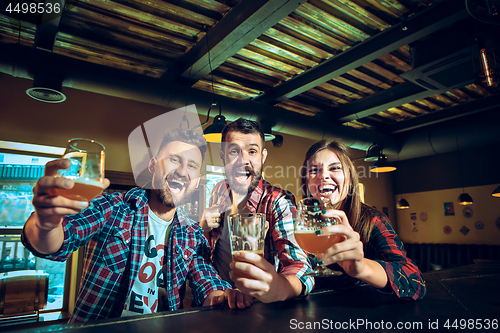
(18, 175)
(214, 175)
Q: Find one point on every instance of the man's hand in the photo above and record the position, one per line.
(235, 299)
(255, 276)
(50, 208)
(211, 218)
(44, 228)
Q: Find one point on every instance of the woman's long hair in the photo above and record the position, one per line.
(359, 216)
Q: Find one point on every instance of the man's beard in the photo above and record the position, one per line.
(242, 189)
(164, 195)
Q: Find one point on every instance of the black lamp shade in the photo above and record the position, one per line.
(268, 131)
(496, 192)
(213, 133)
(382, 165)
(465, 199)
(278, 141)
(373, 153)
(402, 204)
(269, 136)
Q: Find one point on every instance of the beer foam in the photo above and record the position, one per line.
(306, 231)
(87, 181)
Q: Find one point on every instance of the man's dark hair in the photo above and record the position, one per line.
(244, 126)
(187, 136)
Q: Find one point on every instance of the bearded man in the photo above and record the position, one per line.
(280, 273)
(140, 244)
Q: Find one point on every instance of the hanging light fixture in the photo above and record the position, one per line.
(213, 133)
(268, 131)
(489, 71)
(382, 165)
(464, 199)
(402, 204)
(278, 141)
(372, 153)
(496, 192)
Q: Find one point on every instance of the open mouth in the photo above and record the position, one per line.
(327, 189)
(176, 186)
(242, 175)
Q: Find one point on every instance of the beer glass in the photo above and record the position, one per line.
(86, 170)
(308, 220)
(248, 233)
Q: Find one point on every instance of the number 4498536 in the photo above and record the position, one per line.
(32, 7)
(472, 324)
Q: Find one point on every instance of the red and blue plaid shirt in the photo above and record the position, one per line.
(281, 249)
(384, 246)
(115, 229)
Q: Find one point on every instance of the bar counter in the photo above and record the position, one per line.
(458, 299)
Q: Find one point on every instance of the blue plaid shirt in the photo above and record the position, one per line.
(115, 229)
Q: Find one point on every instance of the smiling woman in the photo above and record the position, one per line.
(370, 251)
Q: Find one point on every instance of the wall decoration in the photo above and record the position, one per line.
(464, 230)
(423, 216)
(468, 212)
(414, 229)
(448, 209)
(447, 230)
(498, 223)
(413, 216)
(479, 225)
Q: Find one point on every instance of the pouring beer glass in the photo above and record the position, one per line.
(86, 170)
(308, 220)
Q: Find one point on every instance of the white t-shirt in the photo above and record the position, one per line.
(144, 295)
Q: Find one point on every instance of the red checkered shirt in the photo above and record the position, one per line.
(281, 249)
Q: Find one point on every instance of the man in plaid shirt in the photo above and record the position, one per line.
(140, 244)
(279, 275)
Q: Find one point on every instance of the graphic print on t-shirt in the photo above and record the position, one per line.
(144, 295)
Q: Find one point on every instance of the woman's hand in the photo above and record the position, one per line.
(348, 253)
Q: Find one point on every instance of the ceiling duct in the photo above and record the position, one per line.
(16, 60)
(452, 71)
(471, 131)
(448, 59)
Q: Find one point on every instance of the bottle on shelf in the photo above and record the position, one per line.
(195, 208)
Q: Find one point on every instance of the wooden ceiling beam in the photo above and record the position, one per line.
(242, 25)
(435, 18)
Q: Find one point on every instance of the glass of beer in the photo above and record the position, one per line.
(248, 233)
(308, 220)
(86, 170)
